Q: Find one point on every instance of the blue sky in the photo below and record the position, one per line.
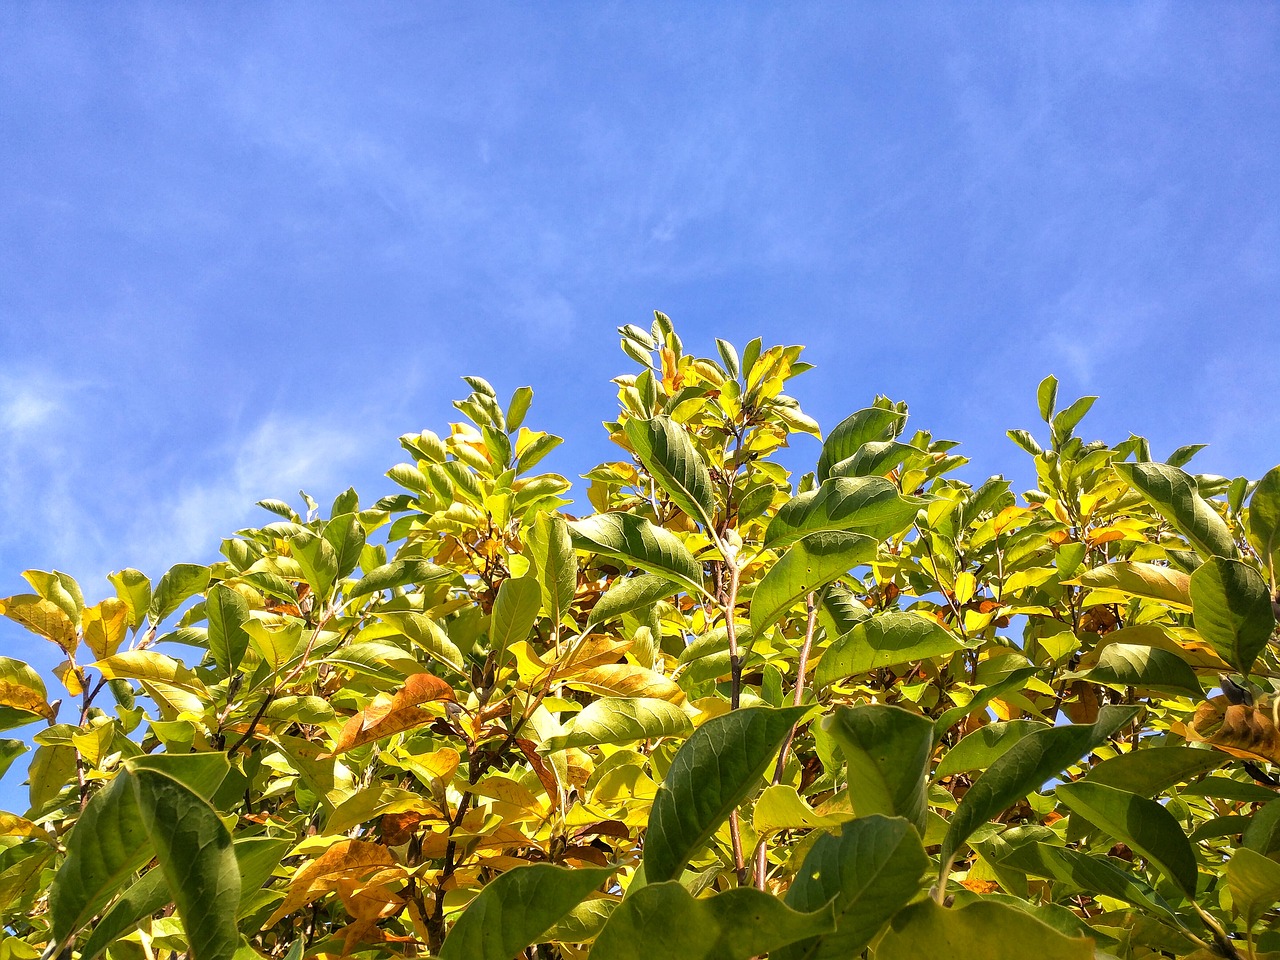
(243, 247)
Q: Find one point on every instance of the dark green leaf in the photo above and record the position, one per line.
(550, 541)
(885, 640)
(1148, 771)
(868, 872)
(1025, 767)
(712, 772)
(345, 535)
(400, 573)
(981, 748)
(1047, 397)
(631, 593)
(228, 612)
(867, 424)
(1137, 665)
(664, 920)
(183, 580)
(622, 720)
(1016, 680)
(514, 613)
(888, 750)
(1146, 826)
(666, 451)
(634, 540)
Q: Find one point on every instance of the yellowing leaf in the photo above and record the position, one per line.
(22, 689)
(396, 714)
(42, 617)
(780, 807)
(627, 680)
(104, 626)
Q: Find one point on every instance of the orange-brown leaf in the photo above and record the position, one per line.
(345, 860)
(1242, 730)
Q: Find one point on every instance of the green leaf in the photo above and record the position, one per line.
(888, 750)
(664, 920)
(1025, 767)
(867, 505)
(318, 560)
(631, 593)
(885, 640)
(194, 850)
(1064, 423)
(635, 540)
(515, 611)
(345, 536)
(106, 847)
(1232, 610)
(518, 407)
(201, 773)
(1263, 833)
(517, 908)
(868, 872)
(712, 772)
(1143, 824)
(1016, 680)
(666, 451)
(1176, 498)
(867, 424)
(1254, 881)
(228, 612)
(619, 720)
(133, 587)
(149, 895)
(1094, 874)
(183, 580)
(1137, 665)
(808, 564)
(1148, 771)
(10, 750)
(984, 746)
(550, 541)
(874, 458)
(1264, 519)
(400, 573)
(1047, 397)
(985, 930)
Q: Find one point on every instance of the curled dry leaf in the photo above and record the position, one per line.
(1242, 730)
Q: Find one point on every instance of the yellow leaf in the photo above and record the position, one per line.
(22, 689)
(781, 807)
(42, 617)
(390, 715)
(149, 666)
(12, 825)
(627, 680)
(104, 626)
(72, 677)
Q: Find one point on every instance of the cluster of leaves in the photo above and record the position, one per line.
(727, 715)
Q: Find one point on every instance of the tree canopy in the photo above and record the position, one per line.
(731, 713)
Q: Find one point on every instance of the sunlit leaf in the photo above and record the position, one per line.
(621, 721)
(887, 749)
(1175, 496)
(666, 451)
(866, 505)
(981, 931)
(808, 564)
(1232, 610)
(635, 540)
(884, 640)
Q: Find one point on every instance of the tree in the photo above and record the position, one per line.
(729, 714)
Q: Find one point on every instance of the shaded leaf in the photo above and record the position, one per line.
(1163, 584)
(887, 749)
(517, 908)
(514, 613)
(664, 920)
(550, 541)
(1137, 665)
(180, 582)
(981, 931)
(1254, 881)
(400, 573)
(1146, 826)
(1025, 767)
(631, 593)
